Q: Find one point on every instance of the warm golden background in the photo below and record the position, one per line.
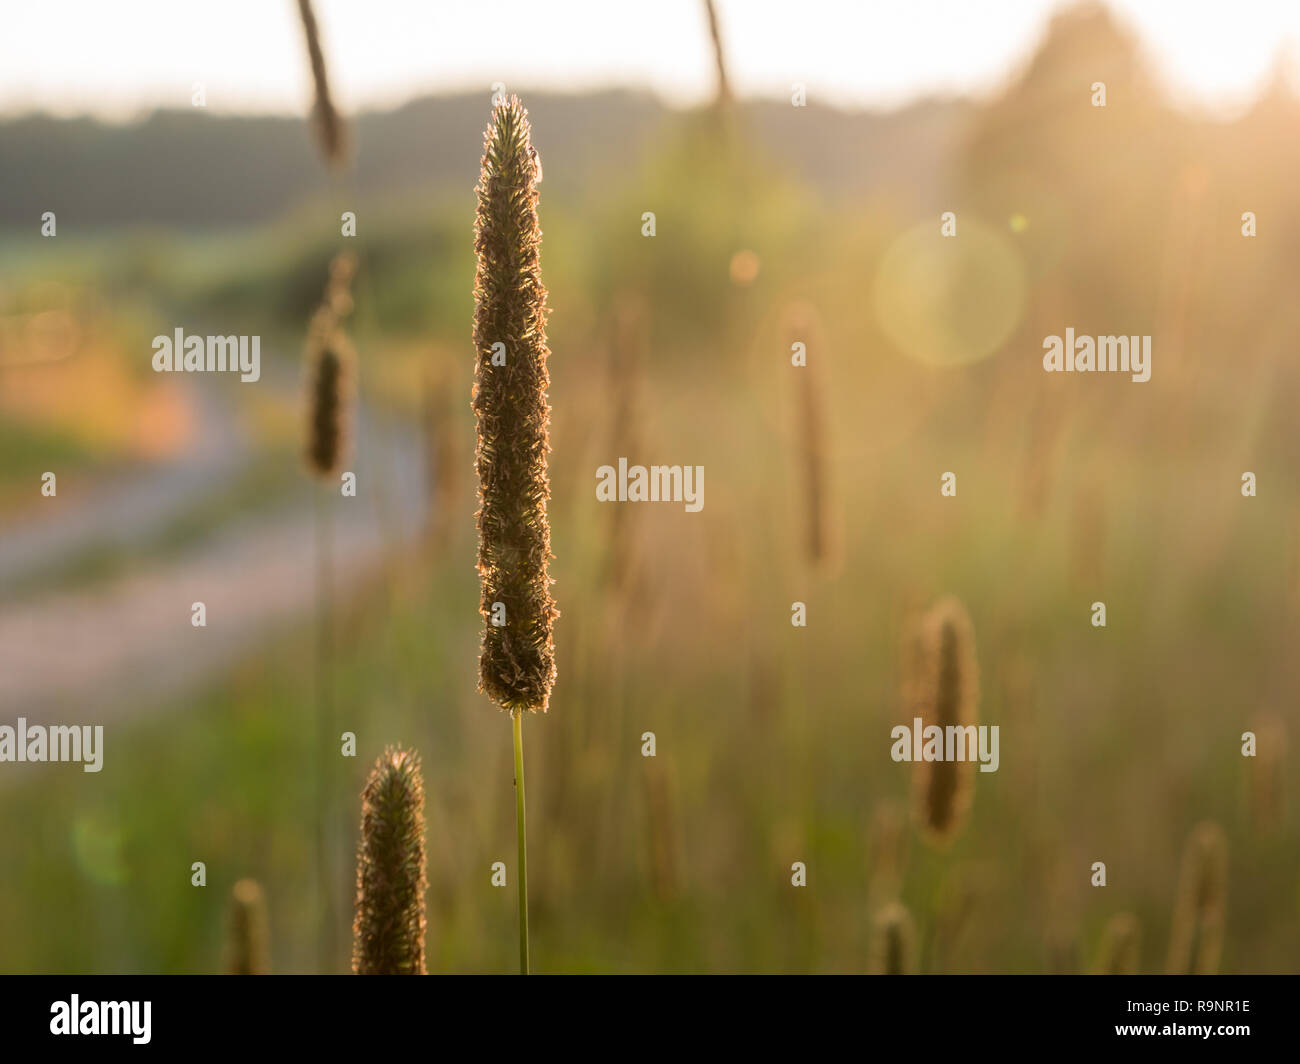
(773, 742)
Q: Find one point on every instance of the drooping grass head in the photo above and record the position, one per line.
(802, 324)
(326, 425)
(329, 124)
(517, 661)
(948, 693)
(330, 363)
(389, 928)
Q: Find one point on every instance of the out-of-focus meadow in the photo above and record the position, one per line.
(772, 741)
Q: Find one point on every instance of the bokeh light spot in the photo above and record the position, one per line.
(744, 268)
(949, 301)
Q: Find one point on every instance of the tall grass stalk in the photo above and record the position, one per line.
(893, 941)
(803, 325)
(329, 124)
(1267, 774)
(248, 945)
(1200, 909)
(324, 720)
(723, 99)
(328, 367)
(517, 659)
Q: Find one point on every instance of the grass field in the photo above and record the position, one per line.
(772, 740)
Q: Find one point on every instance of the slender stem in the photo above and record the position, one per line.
(522, 835)
(324, 727)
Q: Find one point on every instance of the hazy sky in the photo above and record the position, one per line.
(75, 56)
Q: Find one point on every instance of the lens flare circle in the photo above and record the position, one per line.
(950, 300)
